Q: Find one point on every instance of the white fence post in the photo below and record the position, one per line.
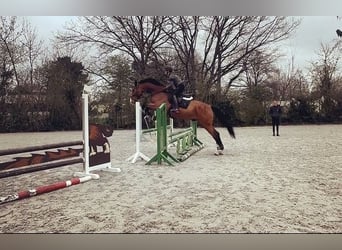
(138, 134)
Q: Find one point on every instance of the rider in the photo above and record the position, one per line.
(177, 88)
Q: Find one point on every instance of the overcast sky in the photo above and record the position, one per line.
(303, 45)
(305, 42)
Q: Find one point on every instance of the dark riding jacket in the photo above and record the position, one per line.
(275, 111)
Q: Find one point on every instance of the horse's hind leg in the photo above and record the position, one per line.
(217, 138)
(216, 135)
(205, 118)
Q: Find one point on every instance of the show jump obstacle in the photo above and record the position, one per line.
(66, 155)
(186, 140)
(139, 134)
(98, 161)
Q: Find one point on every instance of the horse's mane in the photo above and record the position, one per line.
(151, 80)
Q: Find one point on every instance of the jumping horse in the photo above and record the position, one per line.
(202, 112)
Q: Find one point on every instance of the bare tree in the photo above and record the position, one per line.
(20, 44)
(183, 33)
(20, 54)
(229, 41)
(10, 34)
(289, 83)
(139, 37)
(258, 69)
(212, 51)
(32, 48)
(325, 77)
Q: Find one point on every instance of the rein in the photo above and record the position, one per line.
(164, 89)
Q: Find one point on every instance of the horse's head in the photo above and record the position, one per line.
(148, 85)
(136, 92)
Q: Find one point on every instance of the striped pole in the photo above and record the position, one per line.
(43, 189)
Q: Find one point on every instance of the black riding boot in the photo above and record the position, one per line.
(174, 104)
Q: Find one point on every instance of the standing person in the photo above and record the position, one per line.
(275, 113)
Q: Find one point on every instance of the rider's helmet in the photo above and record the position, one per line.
(175, 80)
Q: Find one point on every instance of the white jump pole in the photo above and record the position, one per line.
(85, 130)
(138, 133)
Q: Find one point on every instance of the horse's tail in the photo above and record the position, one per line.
(224, 120)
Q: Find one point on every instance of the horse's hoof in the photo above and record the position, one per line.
(219, 152)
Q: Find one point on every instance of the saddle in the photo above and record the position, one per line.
(184, 100)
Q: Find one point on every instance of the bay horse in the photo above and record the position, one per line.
(202, 112)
